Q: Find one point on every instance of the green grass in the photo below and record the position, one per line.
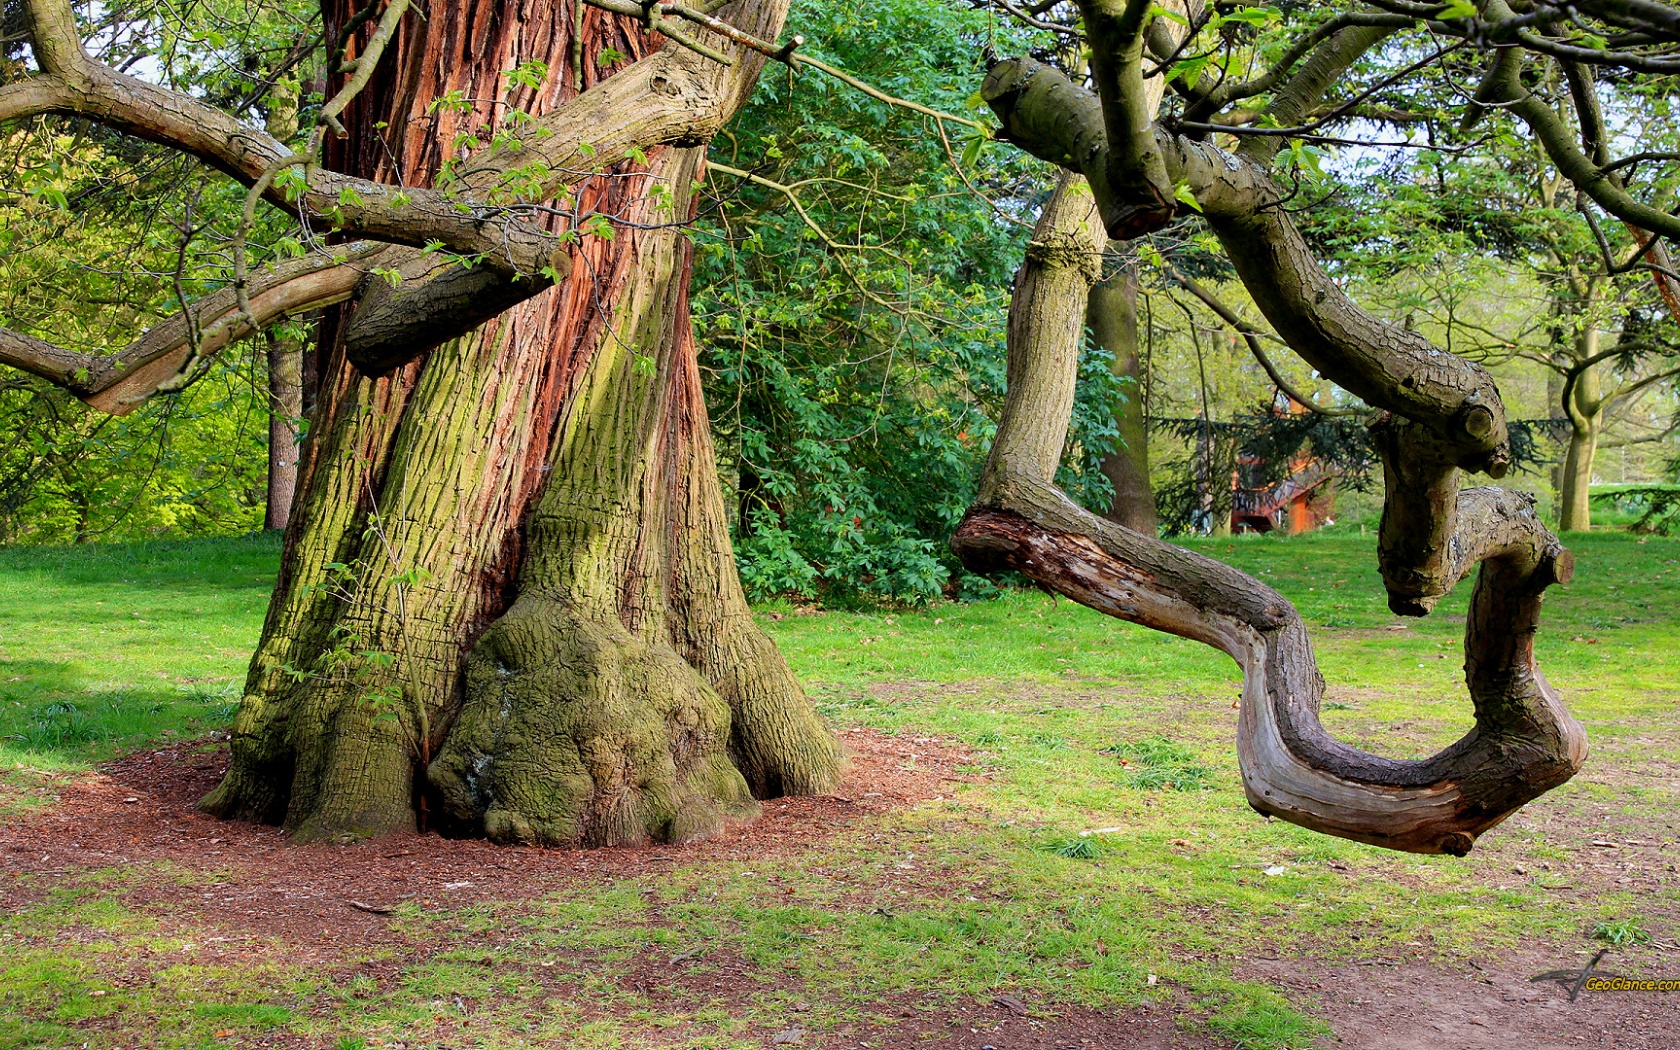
(1067, 872)
(1621, 932)
(106, 646)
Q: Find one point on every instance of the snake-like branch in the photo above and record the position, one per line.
(1524, 741)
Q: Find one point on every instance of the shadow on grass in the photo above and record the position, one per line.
(49, 718)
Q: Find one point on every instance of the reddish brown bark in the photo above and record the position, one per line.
(548, 473)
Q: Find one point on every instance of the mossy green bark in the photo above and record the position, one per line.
(510, 600)
(577, 732)
(627, 696)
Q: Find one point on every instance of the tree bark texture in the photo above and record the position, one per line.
(1442, 415)
(285, 410)
(508, 603)
(1584, 407)
(1112, 316)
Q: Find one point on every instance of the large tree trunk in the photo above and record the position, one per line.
(508, 595)
(1111, 315)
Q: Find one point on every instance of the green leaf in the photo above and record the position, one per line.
(1254, 16)
(527, 74)
(1181, 192)
(1158, 11)
(1190, 69)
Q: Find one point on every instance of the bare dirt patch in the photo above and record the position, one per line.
(327, 905)
(1491, 1006)
(140, 810)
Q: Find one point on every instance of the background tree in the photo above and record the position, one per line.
(1497, 255)
(851, 293)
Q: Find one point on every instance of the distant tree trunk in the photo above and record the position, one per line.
(285, 409)
(508, 602)
(285, 355)
(1576, 472)
(1584, 406)
(1111, 315)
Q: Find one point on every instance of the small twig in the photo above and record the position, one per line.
(370, 908)
(1251, 336)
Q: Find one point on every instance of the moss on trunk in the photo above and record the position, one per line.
(592, 714)
(508, 589)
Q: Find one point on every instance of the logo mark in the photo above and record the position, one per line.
(1572, 981)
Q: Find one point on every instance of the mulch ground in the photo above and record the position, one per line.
(324, 904)
(141, 809)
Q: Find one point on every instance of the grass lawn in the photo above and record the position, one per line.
(1088, 854)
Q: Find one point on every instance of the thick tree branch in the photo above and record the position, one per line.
(1385, 365)
(1302, 92)
(476, 214)
(1524, 741)
(1204, 107)
(1503, 86)
(1142, 191)
(167, 352)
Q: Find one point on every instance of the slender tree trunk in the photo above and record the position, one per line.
(1111, 315)
(285, 409)
(1586, 414)
(285, 355)
(1574, 502)
(508, 597)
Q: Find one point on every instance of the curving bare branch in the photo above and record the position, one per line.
(1444, 415)
(1524, 742)
(166, 353)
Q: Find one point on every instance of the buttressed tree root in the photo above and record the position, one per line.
(1440, 415)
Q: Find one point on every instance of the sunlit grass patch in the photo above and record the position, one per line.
(1063, 869)
(1156, 762)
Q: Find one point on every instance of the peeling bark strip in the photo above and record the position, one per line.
(1443, 414)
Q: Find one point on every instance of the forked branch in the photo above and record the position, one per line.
(1444, 414)
(1524, 741)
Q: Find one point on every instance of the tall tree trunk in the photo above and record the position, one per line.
(508, 595)
(1576, 472)
(1111, 315)
(285, 409)
(285, 355)
(1584, 407)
